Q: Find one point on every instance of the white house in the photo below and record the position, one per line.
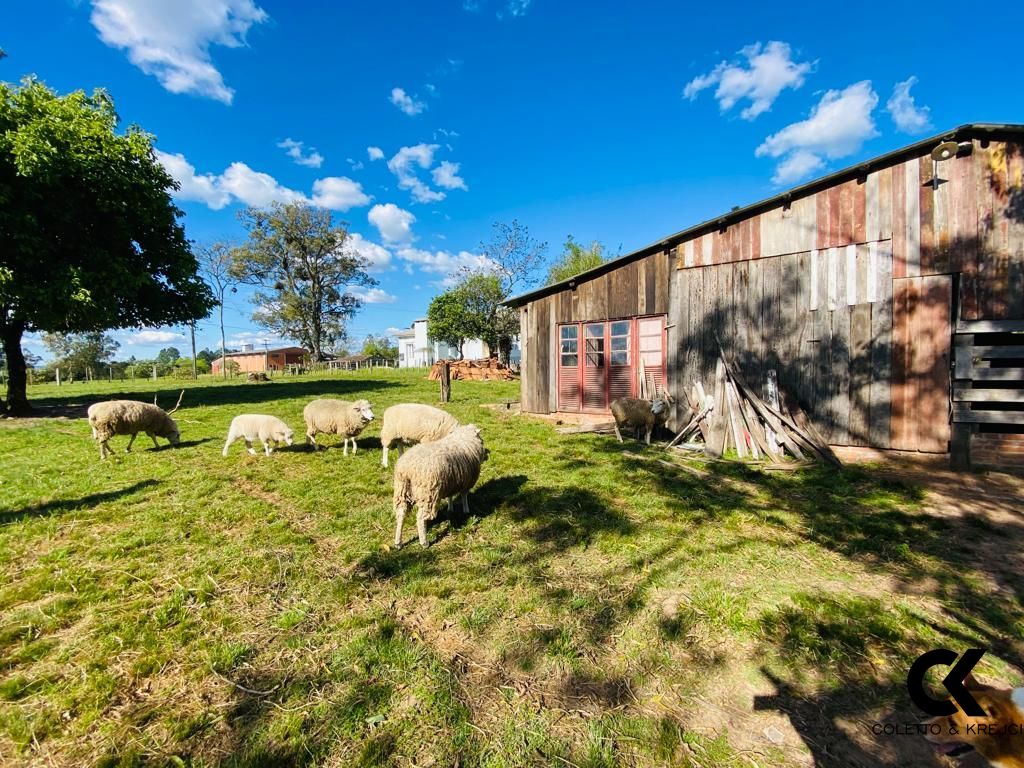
(415, 350)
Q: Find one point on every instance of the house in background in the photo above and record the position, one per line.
(416, 350)
(888, 298)
(250, 359)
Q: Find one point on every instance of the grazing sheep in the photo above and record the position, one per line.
(411, 423)
(256, 376)
(640, 414)
(336, 417)
(430, 472)
(252, 426)
(129, 417)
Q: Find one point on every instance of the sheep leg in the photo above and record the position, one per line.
(153, 438)
(344, 444)
(451, 506)
(249, 448)
(130, 441)
(384, 454)
(421, 528)
(227, 444)
(354, 446)
(311, 440)
(267, 448)
(103, 449)
(617, 433)
(399, 520)
(648, 436)
(465, 504)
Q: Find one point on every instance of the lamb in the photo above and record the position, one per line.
(129, 417)
(430, 472)
(336, 417)
(252, 426)
(640, 414)
(411, 423)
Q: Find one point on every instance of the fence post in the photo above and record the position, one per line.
(154, 371)
(446, 382)
(58, 375)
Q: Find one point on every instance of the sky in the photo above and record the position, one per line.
(421, 124)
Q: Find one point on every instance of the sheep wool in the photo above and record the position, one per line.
(336, 417)
(269, 430)
(129, 417)
(430, 472)
(411, 423)
(640, 414)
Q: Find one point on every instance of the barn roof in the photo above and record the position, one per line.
(290, 350)
(969, 131)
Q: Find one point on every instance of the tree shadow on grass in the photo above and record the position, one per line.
(60, 506)
(75, 405)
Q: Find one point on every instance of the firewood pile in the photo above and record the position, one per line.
(489, 369)
(771, 428)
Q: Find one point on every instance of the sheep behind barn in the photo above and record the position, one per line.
(411, 423)
(640, 414)
(430, 472)
(336, 417)
(254, 426)
(129, 417)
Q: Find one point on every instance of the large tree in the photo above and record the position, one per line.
(449, 319)
(302, 265)
(575, 258)
(380, 346)
(472, 310)
(215, 263)
(89, 235)
(80, 353)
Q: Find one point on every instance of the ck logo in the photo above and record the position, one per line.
(952, 682)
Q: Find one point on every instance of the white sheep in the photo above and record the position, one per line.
(430, 472)
(252, 426)
(129, 417)
(411, 423)
(336, 417)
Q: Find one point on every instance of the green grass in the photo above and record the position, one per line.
(597, 608)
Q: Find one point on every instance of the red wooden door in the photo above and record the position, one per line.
(595, 367)
(920, 363)
(621, 362)
(569, 368)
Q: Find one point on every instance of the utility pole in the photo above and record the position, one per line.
(266, 357)
(195, 371)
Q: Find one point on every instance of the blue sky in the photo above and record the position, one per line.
(620, 122)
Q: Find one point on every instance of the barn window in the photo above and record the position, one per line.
(569, 345)
(620, 342)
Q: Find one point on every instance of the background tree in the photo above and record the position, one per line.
(380, 346)
(168, 356)
(576, 258)
(80, 353)
(449, 320)
(518, 258)
(215, 264)
(89, 236)
(299, 259)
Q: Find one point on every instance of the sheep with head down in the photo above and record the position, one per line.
(269, 430)
(430, 472)
(129, 417)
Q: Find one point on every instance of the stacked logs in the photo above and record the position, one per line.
(489, 369)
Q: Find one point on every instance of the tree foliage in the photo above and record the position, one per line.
(471, 310)
(300, 261)
(89, 236)
(448, 319)
(576, 258)
(80, 354)
(168, 356)
(380, 346)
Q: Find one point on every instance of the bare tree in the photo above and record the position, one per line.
(215, 262)
(518, 258)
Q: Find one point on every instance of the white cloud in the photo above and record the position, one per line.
(517, 7)
(294, 150)
(392, 331)
(444, 262)
(200, 188)
(154, 337)
(240, 183)
(339, 193)
(447, 175)
(375, 153)
(393, 223)
(371, 295)
(404, 165)
(378, 258)
(172, 41)
(838, 126)
(406, 103)
(256, 188)
(257, 339)
(769, 70)
(908, 117)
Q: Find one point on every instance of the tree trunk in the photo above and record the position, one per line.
(17, 372)
(223, 349)
(195, 370)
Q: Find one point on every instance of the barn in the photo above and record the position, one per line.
(250, 360)
(887, 297)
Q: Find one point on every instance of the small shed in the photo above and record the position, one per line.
(858, 289)
(263, 360)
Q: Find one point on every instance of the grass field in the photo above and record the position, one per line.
(598, 608)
